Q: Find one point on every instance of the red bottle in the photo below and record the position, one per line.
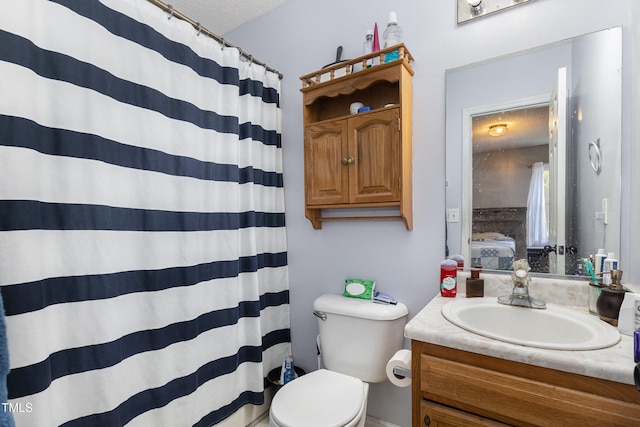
(448, 278)
(375, 45)
(376, 41)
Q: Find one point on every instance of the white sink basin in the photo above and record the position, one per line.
(555, 327)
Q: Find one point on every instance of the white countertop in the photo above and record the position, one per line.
(613, 363)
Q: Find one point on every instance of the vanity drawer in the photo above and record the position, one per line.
(435, 415)
(517, 400)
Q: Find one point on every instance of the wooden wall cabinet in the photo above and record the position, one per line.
(359, 161)
(373, 139)
(457, 388)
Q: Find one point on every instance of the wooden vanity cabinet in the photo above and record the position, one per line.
(457, 388)
(358, 160)
(435, 415)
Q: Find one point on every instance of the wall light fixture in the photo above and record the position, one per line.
(476, 7)
(470, 9)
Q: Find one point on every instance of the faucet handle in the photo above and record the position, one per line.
(520, 275)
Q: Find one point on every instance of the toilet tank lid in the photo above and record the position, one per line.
(357, 307)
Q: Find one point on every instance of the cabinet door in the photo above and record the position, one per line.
(326, 171)
(374, 144)
(434, 415)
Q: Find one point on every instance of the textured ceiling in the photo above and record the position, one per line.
(221, 16)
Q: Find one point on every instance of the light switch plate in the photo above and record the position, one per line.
(453, 215)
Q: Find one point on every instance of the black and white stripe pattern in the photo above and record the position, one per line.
(143, 260)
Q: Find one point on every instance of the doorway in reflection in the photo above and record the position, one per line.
(511, 188)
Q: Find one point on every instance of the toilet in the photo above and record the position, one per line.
(357, 339)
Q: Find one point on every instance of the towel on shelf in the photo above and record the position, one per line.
(6, 418)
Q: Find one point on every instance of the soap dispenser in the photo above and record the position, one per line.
(474, 284)
(610, 299)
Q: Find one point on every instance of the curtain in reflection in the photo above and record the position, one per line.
(537, 227)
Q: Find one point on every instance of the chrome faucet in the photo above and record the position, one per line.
(520, 294)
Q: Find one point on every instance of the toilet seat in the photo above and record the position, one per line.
(322, 398)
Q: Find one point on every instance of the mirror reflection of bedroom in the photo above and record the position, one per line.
(511, 188)
(546, 185)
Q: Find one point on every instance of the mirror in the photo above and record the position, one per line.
(547, 187)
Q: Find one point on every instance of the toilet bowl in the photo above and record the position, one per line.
(357, 338)
(322, 398)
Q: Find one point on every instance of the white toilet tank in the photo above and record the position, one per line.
(357, 336)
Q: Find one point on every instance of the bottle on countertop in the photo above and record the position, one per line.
(459, 259)
(636, 340)
(449, 278)
(474, 284)
(636, 314)
(629, 316)
(610, 263)
(392, 36)
(598, 264)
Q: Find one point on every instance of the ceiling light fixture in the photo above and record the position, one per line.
(498, 130)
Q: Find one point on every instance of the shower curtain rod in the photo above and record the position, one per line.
(172, 12)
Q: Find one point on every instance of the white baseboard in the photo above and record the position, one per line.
(374, 422)
(261, 420)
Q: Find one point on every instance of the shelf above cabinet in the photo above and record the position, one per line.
(357, 66)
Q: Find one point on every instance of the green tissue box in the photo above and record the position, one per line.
(359, 288)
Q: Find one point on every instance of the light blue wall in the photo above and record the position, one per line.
(302, 36)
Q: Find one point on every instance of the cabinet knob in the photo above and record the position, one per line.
(347, 160)
(427, 420)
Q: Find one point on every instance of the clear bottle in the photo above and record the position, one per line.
(367, 47)
(289, 373)
(392, 36)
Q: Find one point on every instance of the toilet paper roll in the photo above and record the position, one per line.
(402, 359)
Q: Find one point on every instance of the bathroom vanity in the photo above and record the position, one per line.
(464, 379)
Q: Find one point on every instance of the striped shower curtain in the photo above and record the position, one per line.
(143, 261)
